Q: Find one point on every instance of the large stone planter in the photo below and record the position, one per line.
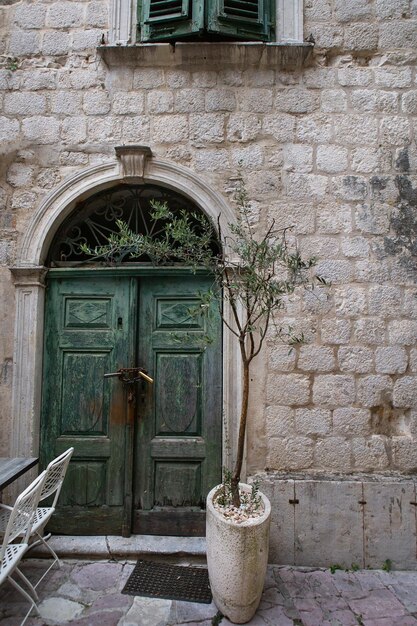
(237, 557)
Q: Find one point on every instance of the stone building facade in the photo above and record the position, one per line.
(323, 127)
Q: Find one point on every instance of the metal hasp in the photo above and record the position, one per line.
(130, 375)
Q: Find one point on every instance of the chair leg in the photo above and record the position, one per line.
(28, 583)
(26, 596)
(43, 540)
(51, 550)
(40, 539)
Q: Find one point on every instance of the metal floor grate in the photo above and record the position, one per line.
(171, 582)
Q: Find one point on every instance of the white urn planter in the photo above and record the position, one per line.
(237, 557)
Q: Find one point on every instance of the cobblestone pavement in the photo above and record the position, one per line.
(88, 593)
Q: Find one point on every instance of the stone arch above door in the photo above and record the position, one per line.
(132, 165)
(60, 202)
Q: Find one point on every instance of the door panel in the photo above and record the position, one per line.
(179, 420)
(178, 408)
(89, 332)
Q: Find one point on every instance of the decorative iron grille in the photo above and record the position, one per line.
(96, 218)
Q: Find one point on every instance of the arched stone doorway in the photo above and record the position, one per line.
(146, 453)
(30, 271)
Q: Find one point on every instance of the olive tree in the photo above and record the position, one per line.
(255, 273)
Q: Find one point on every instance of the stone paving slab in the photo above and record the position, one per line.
(88, 593)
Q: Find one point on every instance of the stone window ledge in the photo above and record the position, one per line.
(288, 56)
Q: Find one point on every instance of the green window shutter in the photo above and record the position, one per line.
(170, 19)
(240, 19)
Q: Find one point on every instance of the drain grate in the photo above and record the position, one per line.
(171, 582)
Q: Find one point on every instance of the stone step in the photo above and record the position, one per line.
(170, 549)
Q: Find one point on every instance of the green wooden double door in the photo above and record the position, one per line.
(146, 454)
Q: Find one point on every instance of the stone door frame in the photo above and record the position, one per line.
(133, 164)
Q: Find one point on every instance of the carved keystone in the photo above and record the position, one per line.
(133, 160)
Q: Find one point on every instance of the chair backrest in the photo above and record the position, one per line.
(21, 515)
(55, 474)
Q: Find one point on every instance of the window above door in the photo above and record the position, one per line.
(161, 20)
(148, 21)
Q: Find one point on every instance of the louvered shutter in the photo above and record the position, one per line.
(240, 19)
(170, 19)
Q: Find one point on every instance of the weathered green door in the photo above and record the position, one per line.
(89, 331)
(145, 465)
(179, 426)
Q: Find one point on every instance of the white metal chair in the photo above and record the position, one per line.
(54, 477)
(19, 526)
(55, 474)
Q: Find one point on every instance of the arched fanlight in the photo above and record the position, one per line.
(96, 218)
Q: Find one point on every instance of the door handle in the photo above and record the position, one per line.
(146, 377)
(130, 375)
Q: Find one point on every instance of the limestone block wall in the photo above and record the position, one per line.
(365, 521)
(328, 148)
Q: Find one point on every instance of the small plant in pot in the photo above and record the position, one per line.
(255, 273)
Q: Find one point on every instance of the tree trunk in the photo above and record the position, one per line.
(241, 437)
